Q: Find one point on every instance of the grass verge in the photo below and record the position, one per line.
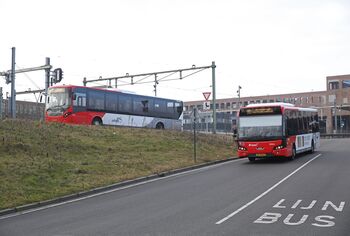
(40, 161)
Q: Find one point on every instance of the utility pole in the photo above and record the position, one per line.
(47, 76)
(1, 107)
(213, 66)
(155, 85)
(239, 96)
(13, 89)
(335, 116)
(194, 135)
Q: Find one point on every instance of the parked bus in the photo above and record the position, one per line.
(95, 106)
(276, 130)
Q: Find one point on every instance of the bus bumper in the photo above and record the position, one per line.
(275, 153)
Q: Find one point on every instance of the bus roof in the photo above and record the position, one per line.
(110, 90)
(281, 104)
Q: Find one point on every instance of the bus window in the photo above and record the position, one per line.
(178, 107)
(159, 106)
(96, 100)
(125, 104)
(170, 107)
(79, 99)
(111, 102)
(141, 105)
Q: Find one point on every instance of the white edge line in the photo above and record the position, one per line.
(266, 192)
(114, 190)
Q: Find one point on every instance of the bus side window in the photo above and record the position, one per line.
(96, 100)
(179, 107)
(79, 99)
(125, 104)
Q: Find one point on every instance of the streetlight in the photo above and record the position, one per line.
(239, 95)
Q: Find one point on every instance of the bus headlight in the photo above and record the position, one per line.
(242, 148)
(279, 147)
(67, 114)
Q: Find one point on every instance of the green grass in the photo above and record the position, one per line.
(40, 161)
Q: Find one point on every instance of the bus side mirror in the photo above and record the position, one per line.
(74, 96)
(41, 98)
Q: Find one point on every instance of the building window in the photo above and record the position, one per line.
(346, 83)
(333, 85)
(331, 98)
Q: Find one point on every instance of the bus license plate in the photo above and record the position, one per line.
(261, 155)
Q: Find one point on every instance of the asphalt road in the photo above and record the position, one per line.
(307, 196)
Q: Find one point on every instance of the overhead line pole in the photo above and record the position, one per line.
(85, 81)
(1, 107)
(26, 70)
(13, 89)
(47, 76)
(213, 66)
(31, 91)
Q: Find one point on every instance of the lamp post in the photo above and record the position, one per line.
(239, 96)
(335, 130)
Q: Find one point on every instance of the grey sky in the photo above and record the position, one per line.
(267, 47)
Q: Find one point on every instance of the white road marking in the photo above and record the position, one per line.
(117, 189)
(266, 192)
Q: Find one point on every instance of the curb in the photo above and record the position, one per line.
(108, 187)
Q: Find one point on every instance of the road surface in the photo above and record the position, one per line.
(307, 196)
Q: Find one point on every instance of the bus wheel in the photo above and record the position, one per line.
(251, 159)
(159, 125)
(97, 121)
(312, 150)
(294, 153)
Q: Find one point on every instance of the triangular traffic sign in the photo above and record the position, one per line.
(206, 95)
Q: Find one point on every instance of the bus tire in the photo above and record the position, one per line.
(294, 153)
(312, 150)
(251, 159)
(97, 121)
(159, 125)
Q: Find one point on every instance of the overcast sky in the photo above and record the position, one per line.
(266, 46)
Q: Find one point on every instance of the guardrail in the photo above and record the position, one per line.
(339, 135)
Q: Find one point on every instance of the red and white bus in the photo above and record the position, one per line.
(95, 106)
(276, 130)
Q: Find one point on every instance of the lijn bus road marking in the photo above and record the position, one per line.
(266, 192)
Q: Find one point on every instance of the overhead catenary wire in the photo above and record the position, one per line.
(26, 75)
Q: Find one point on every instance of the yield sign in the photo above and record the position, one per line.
(206, 95)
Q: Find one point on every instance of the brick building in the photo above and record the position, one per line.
(333, 106)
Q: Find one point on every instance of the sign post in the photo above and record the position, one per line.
(206, 104)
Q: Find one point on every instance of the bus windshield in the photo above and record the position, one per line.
(260, 127)
(58, 100)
